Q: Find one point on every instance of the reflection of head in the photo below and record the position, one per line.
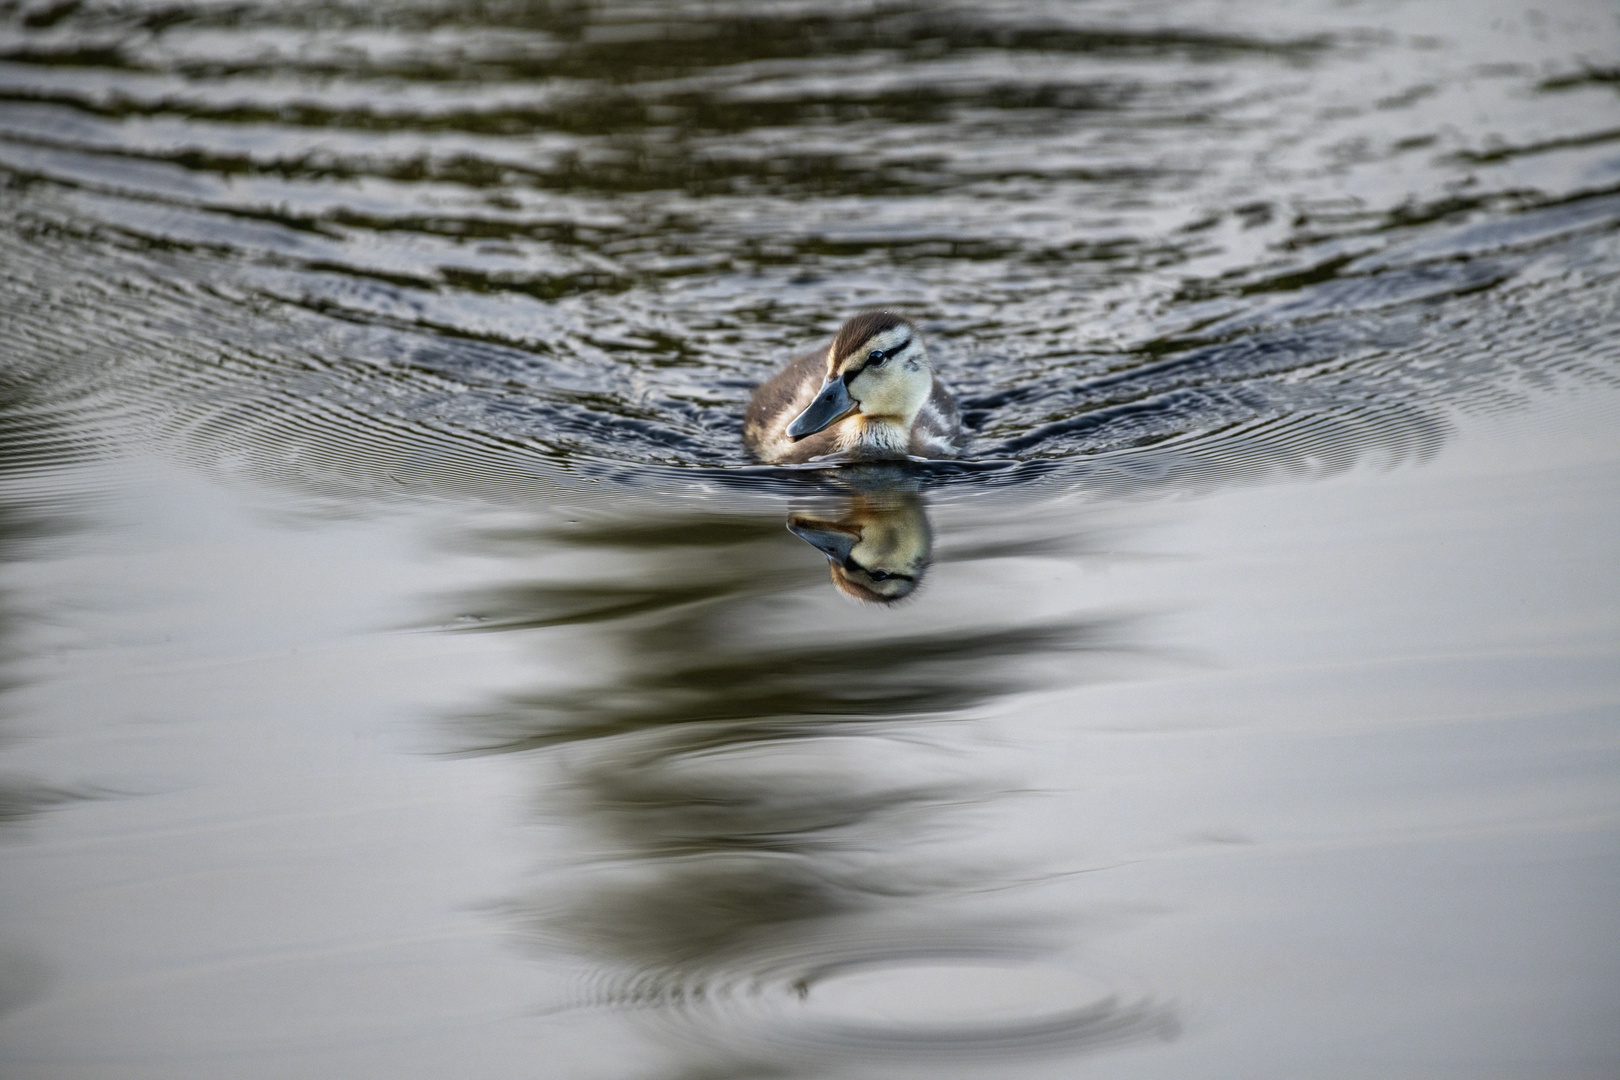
(877, 549)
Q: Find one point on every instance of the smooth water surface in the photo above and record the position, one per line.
(404, 673)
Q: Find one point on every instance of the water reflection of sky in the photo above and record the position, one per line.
(1254, 777)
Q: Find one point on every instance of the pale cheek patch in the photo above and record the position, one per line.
(878, 395)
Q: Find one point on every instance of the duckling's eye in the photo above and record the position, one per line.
(879, 575)
(876, 356)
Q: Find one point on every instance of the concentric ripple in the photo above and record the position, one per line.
(947, 1004)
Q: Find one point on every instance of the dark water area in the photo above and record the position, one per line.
(405, 672)
(582, 232)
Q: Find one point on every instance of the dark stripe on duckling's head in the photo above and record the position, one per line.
(854, 333)
(873, 586)
(849, 347)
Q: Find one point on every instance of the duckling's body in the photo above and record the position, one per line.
(870, 394)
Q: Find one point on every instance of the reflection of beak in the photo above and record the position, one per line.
(832, 542)
(831, 403)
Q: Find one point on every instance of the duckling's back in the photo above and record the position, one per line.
(937, 430)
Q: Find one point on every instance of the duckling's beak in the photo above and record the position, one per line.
(832, 402)
(832, 542)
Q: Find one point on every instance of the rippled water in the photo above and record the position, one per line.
(407, 673)
(580, 233)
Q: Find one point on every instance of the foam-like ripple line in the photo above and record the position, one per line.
(773, 1005)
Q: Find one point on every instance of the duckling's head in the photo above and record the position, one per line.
(878, 549)
(877, 369)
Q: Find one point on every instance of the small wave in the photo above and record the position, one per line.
(402, 252)
(916, 1001)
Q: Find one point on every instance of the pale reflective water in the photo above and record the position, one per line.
(406, 674)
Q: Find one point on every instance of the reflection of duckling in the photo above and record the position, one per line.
(878, 549)
(871, 394)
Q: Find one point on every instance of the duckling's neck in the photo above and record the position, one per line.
(887, 435)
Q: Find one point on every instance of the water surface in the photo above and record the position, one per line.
(406, 673)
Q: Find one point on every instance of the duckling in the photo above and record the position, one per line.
(871, 394)
(878, 548)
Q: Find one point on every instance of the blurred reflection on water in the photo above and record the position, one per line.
(30, 515)
(771, 791)
(878, 542)
(29, 518)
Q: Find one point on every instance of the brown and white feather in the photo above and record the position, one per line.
(905, 412)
